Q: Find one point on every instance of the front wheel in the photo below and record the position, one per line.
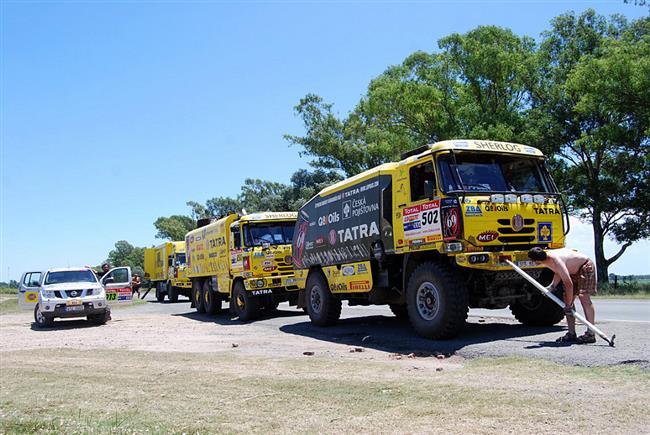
(400, 311)
(197, 297)
(211, 299)
(172, 293)
(246, 306)
(41, 320)
(323, 307)
(436, 301)
(100, 319)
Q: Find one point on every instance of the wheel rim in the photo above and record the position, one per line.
(533, 304)
(206, 298)
(39, 316)
(315, 300)
(241, 302)
(427, 301)
(197, 296)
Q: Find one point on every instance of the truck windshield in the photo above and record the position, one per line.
(70, 276)
(478, 172)
(180, 259)
(275, 233)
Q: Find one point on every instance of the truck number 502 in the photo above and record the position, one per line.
(430, 217)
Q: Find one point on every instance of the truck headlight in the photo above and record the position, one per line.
(47, 294)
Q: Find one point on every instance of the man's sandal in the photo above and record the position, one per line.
(587, 338)
(567, 338)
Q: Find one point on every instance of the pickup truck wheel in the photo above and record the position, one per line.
(323, 307)
(211, 300)
(246, 306)
(197, 297)
(172, 293)
(100, 319)
(436, 301)
(400, 311)
(538, 310)
(41, 320)
(160, 296)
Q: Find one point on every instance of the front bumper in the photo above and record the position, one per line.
(495, 260)
(58, 307)
(275, 283)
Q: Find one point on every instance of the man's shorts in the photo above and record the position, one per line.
(584, 282)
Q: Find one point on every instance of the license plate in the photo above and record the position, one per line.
(75, 308)
(73, 302)
(526, 263)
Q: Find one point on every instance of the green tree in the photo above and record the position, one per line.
(595, 107)
(174, 227)
(126, 254)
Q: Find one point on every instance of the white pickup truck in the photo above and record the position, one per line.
(73, 292)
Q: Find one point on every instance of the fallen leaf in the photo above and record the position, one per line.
(308, 353)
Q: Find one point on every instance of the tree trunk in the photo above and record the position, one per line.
(599, 250)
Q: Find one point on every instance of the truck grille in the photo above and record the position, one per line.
(68, 293)
(518, 236)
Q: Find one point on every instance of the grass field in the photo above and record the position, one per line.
(100, 391)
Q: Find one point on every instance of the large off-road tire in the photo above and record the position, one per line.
(172, 293)
(41, 320)
(537, 311)
(100, 319)
(211, 299)
(197, 296)
(160, 295)
(436, 301)
(400, 311)
(245, 305)
(323, 307)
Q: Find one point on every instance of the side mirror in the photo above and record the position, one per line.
(428, 189)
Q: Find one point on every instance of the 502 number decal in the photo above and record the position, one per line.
(430, 217)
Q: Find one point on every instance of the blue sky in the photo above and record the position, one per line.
(115, 113)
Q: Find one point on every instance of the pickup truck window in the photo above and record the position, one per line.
(70, 276)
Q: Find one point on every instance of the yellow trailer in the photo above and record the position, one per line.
(245, 260)
(165, 267)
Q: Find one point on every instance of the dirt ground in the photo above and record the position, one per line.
(164, 368)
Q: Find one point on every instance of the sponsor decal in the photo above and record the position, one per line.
(545, 231)
(361, 268)
(347, 209)
(359, 285)
(269, 268)
(290, 281)
(496, 207)
(487, 236)
(347, 270)
(329, 219)
(338, 287)
(31, 296)
(266, 291)
(517, 222)
(258, 254)
(422, 222)
(473, 210)
(530, 150)
(267, 263)
(357, 232)
(546, 210)
(320, 240)
(497, 146)
(332, 237)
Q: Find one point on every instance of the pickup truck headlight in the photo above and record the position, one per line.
(47, 294)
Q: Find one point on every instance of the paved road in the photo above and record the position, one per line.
(488, 332)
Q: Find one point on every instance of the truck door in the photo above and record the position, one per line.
(418, 208)
(117, 283)
(28, 288)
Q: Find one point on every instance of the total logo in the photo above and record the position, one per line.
(329, 219)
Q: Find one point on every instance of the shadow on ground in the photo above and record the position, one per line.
(226, 318)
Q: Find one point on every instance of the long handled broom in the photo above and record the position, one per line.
(557, 300)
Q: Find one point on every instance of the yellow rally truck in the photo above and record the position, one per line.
(166, 268)
(429, 236)
(245, 260)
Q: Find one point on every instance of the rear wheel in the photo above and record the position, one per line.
(172, 293)
(246, 306)
(160, 295)
(211, 299)
(436, 301)
(41, 320)
(322, 306)
(197, 297)
(538, 310)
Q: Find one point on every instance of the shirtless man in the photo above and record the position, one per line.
(578, 274)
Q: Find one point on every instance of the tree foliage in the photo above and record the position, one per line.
(126, 254)
(173, 227)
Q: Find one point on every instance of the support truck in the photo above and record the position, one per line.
(430, 235)
(165, 268)
(245, 260)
